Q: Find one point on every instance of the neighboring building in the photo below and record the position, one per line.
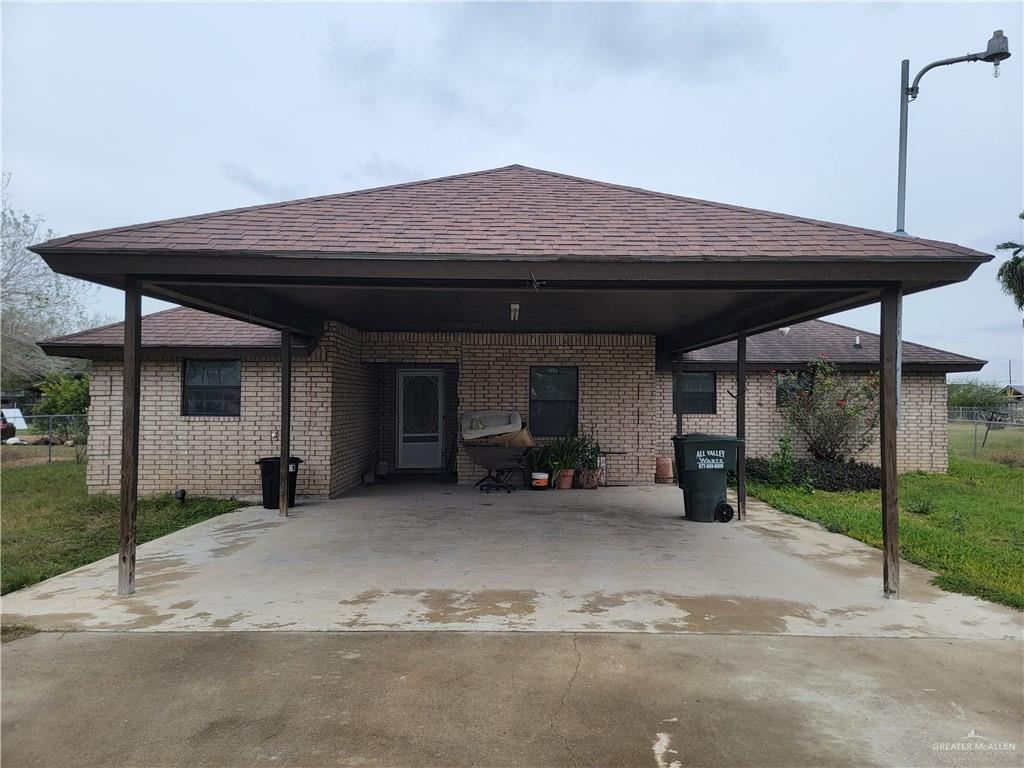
(1012, 393)
(210, 397)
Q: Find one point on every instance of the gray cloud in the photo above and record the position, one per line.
(269, 191)
(490, 62)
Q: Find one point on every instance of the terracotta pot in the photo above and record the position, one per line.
(564, 481)
(663, 469)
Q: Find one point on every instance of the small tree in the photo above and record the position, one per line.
(836, 415)
(35, 302)
(63, 394)
(975, 393)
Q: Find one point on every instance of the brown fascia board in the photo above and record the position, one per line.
(110, 268)
(115, 352)
(729, 366)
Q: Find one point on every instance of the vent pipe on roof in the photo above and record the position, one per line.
(784, 331)
(856, 343)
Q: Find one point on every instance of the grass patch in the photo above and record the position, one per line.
(967, 526)
(50, 524)
(1003, 446)
(12, 456)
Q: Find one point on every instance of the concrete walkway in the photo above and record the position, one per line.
(507, 699)
(448, 558)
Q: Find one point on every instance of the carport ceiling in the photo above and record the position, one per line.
(689, 317)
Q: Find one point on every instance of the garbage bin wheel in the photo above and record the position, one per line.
(724, 512)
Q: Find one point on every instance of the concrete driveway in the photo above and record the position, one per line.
(448, 558)
(507, 699)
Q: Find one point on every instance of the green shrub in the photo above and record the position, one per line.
(811, 474)
(63, 394)
(835, 414)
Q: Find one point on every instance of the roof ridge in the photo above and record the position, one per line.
(888, 236)
(82, 236)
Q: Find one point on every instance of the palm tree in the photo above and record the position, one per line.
(1011, 273)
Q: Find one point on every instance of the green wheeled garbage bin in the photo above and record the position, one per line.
(703, 463)
(270, 477)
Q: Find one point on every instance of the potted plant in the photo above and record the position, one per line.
(589, 464)
(564, 456)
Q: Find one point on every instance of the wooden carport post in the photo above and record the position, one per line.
(286, 419)
(892, 299)
(130, 436)
(741, 426)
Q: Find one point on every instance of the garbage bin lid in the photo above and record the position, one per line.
(291, 459)
(695, 437)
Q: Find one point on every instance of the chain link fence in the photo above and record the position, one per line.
(41, 439)
(989, 434)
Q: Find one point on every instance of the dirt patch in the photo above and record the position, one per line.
(183, 605)
(10, 632)
(51, 621)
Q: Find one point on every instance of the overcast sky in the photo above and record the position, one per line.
(118, 114)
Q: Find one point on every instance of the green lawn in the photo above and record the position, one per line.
(967, 526)
(1003, 446)
(50, 525)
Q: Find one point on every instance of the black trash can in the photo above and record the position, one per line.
(270, 474)
(703, 463)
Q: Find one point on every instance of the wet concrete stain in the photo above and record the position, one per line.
(720, 614)
(597, 603)
(448, 606)
(632, 626)
(364, 598)
(146, 616)
(226, 621)
(183, 605)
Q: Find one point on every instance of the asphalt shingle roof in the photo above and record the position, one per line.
(814, 338)
(183, 327)
(514, 212)
(178, 327)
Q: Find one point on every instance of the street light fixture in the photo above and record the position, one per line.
(998, 49)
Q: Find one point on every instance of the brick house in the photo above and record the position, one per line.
(345, 390)
(512, 279)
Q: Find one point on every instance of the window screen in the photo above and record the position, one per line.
(212, 388)
(553, 401)
(694, 392)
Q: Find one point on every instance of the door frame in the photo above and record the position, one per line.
(399, 405)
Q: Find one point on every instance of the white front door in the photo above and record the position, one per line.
(420, 418)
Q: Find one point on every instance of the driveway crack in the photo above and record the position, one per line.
(561, 704)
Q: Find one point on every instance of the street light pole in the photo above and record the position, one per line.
(998, 50)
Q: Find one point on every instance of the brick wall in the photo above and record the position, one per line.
(343, 419)
(616, 381)
(333, 427)
(922, 443)
(352, 409)
(210, 455)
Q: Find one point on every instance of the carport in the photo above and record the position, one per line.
(457, 254)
